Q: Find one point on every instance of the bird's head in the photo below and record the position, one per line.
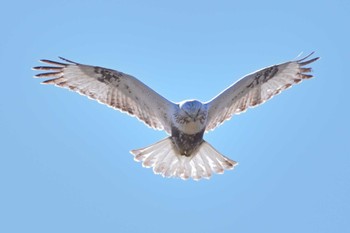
(193, 110)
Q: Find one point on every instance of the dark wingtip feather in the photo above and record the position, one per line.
(47, 68)
(303, 61)
(305, 69)
(51, 81)
(306, 76)
(308, 61)
(64, 59)
(49, 74)
(306, 57)
(53, 62)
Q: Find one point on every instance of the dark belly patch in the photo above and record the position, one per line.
(186, 143)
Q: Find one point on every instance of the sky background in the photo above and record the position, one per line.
(65, 164)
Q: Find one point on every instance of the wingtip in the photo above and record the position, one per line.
(45, 61)
(55, 63)
(49, 81)
(303, 61)
(306, 57)
(65, 59)
(62, 58)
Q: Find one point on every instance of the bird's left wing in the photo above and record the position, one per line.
(113, 88)
(255, 89)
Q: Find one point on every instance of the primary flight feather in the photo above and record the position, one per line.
(184, 153)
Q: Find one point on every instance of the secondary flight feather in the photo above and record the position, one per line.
(184, 153)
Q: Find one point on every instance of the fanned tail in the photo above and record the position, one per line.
(166, 161)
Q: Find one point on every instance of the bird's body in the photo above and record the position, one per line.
(184, 153)
(188, 126)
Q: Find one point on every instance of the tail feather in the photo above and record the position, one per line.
(166, 161)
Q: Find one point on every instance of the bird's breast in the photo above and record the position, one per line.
(191, 127)
(185, 143)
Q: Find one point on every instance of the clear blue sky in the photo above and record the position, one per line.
(65, 164)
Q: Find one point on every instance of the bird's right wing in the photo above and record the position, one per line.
(113, 88)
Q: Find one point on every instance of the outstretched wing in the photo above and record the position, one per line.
(113, 88)
(255, 89)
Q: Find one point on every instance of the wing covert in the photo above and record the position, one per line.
(113, 88)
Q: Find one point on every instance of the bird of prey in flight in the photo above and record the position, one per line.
(184, 153)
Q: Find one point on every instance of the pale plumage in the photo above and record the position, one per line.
(256, 88)
(184, 153)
